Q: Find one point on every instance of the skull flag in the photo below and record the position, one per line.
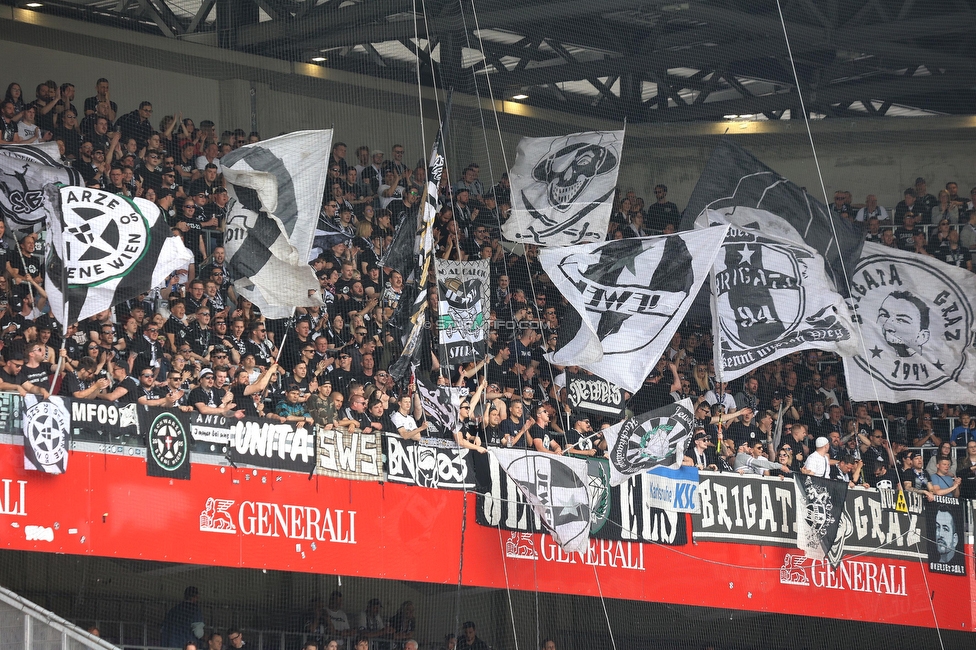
(562, 188)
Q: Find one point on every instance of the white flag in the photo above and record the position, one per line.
(555, 488)
(771, 295)
(105, 249)
(917, 321)
(655, 439)
(24, 171)
(562, 188)
(631, 295)
(277, 187)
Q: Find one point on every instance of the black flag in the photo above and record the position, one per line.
(734, 177)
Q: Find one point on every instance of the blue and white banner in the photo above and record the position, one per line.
(674, 490)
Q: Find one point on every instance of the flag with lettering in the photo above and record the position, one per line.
(462, 310)
(276, 187)
(654, 439)
(733, 177)
(771, 295)
(918, 320)
(105, 249)
(555, 489)
(24, 171)
(563, 188)
(631, 296)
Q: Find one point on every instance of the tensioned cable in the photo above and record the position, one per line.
(833, 229)
(420, 88)
(501, 142)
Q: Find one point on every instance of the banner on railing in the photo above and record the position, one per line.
(349, 454)
(622, 512)
(944, 528)
(167, 433)
(96, 420)
(756, 510)
(274, 445)
(429, 463)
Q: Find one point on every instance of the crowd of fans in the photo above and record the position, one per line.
(324, 626)
(194, 344)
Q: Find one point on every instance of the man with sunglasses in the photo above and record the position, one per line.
(405, 208)
(147, 351)
(264, 350)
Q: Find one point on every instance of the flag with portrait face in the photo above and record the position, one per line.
(918, 320)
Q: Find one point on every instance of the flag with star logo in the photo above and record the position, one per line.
(105, 249)
(733, 177)
(555, 489)
(655, 439)
(819, 511)
(771, 295)
(630, 295)
(917, 320)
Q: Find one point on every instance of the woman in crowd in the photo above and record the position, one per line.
(15, 94)
(945, 451)
(945, 210)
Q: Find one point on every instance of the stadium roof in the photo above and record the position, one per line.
(643, 60)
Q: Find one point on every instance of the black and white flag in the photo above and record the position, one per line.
(462, 309)
(594, 395)
(563, 187)
(632, 295)
(46, 430)
(917, 320)
(442, 405)
(819, 511)
(655, 439)
(105, 249)
(945, 530)
(167, 433)
(555, 488)
(733, 177)
(771, 295)
(277, 187)
(24, 171)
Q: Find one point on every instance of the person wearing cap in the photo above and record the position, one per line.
(818, 462)
(700, 454)
(208, 400)
(580, 438)
(751, 459)
(320, 405)
(370, 624)
(916, 479)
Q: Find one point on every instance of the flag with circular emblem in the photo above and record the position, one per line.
(105, 249)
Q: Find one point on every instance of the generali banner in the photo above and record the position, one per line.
(261, 518)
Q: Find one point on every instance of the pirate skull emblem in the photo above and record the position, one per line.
(568, 171)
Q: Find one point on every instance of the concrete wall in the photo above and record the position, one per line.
(881, 156)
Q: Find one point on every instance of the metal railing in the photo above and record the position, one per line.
(27, 626)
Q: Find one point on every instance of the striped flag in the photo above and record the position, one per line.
(105, 249)
(425, 234)
(24, 171)
(277, 187)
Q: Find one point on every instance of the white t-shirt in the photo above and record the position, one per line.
(401, 421)
(818, 464)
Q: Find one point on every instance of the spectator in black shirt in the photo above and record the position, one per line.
(83, 383)
(12, 378)
(662, 215)
(905, 233)
(136, 124)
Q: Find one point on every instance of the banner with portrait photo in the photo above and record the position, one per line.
(918, 320)
(945, 531)
(462, 310)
